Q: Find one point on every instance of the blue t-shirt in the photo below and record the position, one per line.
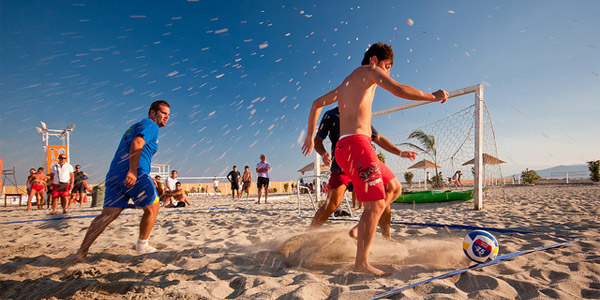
(330, 126)
(145, 128)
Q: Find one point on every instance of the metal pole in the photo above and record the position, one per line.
(317, 169)
(478, 183)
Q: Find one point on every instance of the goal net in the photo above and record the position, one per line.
(464, 141)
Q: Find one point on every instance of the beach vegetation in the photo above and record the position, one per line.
(202, 190)
(530, 176)
(275, 190)
(427, 142)
(408, 176)
(381, 156)
(594, 167)
(286, 187)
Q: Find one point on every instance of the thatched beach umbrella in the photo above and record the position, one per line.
(424, 164)
(311, 167)
(487, 160)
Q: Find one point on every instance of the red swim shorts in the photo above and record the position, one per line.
(65, 193)
(337, 179)
(358, 159)
(38, 187)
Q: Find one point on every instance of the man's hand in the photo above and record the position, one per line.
(130, 179)
(441, 95)
(308, 145)
(327, 159)
(409, 154)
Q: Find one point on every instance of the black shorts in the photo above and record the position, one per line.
(78, 188)
(262, 182)
(235, 185)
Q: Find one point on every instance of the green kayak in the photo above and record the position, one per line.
(434, 196)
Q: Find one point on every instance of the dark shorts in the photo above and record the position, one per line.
(143, 193)
(235, 185)
(246, 185)
(262, 182)
(78, 188)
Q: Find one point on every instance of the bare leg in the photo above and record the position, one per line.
(98, 225)
(148, 219)
(64, 201)
(393, 189)
(40, 197)
(334, 200)
(31, 193)
(266, 194)
(54, 204)
(366, 230)
(259, 194)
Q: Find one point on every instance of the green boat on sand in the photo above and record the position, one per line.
(434, 196)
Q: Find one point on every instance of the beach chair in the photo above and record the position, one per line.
(312, 198)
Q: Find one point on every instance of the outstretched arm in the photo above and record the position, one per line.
(382, 79)
(315, 111)
(389, 147)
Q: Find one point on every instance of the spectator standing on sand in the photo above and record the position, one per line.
(62, 181)
(234, 178)
(262, 172)
(246, 181)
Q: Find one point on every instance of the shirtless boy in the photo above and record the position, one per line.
(354, 153)
(38, 188)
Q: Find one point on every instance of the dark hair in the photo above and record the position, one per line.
(77, 166)
(155, 106)
(174, 171)
(40, 168)
(381, 51)
(246, 167)
(235, 166)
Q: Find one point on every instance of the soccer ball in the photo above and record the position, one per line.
(480, 246)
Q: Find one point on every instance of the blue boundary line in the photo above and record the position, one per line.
(93, 216)
(477, 266)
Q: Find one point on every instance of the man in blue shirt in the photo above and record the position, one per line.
(128, 178)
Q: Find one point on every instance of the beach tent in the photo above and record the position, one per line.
(310, 167)
(487, 160)
(424, 164)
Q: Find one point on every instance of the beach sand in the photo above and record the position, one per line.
(224, 249)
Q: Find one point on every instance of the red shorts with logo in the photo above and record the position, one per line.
(65, 193)
(358, 159)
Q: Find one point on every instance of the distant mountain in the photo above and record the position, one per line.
(575, 171)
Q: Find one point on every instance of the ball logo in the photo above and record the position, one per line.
(481, 248)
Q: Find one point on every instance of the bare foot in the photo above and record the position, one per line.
(353, 233)
(389, 238)
(78, 258)
(371, 270)
(257, 202)
(53, 213)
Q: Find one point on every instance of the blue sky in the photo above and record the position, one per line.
(241, 75)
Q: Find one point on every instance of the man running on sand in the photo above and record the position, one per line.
(128, 178)
(354, 153)
(338, 180)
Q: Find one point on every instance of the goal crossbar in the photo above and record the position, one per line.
(455, 93)
(478, 147)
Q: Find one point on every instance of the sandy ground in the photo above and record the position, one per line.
(224, 249)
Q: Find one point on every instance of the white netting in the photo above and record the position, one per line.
(454, 142)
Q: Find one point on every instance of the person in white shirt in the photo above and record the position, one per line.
(62, 177)
(171, 181)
